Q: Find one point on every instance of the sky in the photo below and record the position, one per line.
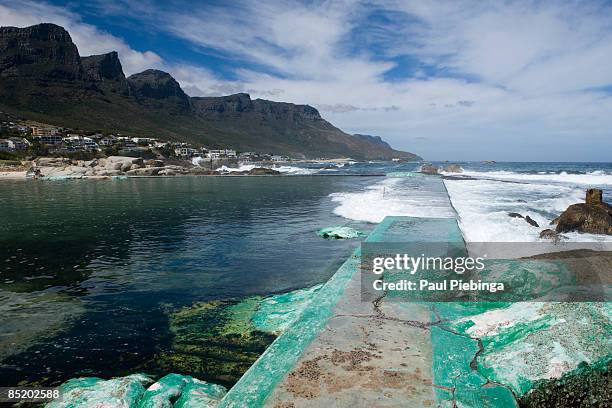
(448, 80)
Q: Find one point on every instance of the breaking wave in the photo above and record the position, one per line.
(402, 196)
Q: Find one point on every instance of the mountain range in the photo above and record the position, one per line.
(43, 78)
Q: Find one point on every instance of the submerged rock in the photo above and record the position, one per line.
(218, 341)
(339, 233)
(594, 216)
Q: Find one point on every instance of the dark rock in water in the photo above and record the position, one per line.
(527, 218)
(594, 216)
(531, 221)
(263, 171)
(551, 234)
(453, 168)
(521, 201)
(429, 169)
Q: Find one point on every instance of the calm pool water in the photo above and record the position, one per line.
(88, 267)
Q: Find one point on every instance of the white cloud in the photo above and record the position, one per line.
(502, 80)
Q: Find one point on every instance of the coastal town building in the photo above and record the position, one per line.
(49, 139)
(44, 131)
(224, 153)
(81, 143)
(18, 143)
(4, 145)
(108, 141)
(186, 152)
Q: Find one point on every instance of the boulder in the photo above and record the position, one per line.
(52, 161)
(453, 168)
(594, 216)
(146, 171)
(263, 171)
(515, 215)
(154, 163)
(429, 169)
(551, 234)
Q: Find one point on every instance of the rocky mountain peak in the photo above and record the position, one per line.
(372, 139)
(103, 67)
(43, 51)
(158, 89)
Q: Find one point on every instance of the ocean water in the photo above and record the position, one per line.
(89, 268)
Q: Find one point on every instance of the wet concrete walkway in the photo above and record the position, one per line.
(374, 354)
(345, 352)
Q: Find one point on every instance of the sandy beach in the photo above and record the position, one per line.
(12, 175)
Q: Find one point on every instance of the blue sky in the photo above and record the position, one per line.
(456, 80)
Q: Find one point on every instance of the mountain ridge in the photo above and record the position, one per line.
(43, 77)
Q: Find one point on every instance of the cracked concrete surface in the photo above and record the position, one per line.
(373, 354)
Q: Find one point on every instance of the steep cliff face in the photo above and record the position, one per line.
(103, 67)
(43, 51)
(42, 77)
(106, 72)
(158, 90)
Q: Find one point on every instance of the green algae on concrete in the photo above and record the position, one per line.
(171, 391)
(339, 232)
(526, 342)
(124, 392)
(276, 313)
(200, 394)
(185, 390)
(163, 392)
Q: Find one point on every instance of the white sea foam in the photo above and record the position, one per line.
(483, 207)
(392, 196)
(594, 178)
(282, 169)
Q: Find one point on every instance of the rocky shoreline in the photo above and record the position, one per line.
(52, 168)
